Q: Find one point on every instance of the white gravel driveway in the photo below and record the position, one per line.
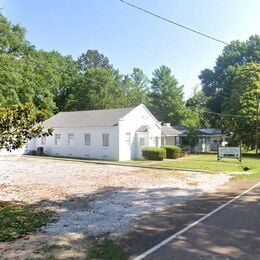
(96, 199)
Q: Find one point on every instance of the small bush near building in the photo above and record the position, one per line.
(154, 153)
(172, 152)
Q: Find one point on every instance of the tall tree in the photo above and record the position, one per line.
(12, 40)
(56, 75)
(166, 96)
(244, 103)
(14, 49)
(197, 104)
(134, 88)
(92, 59)
(96, 89)
(28, 75)
(216, 83)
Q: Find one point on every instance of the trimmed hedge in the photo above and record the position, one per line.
(154, 153)
(172, 152)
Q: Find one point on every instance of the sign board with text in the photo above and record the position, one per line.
(229, 152)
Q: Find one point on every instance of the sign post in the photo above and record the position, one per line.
(229, 152)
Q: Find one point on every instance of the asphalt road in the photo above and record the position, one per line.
(231, 233)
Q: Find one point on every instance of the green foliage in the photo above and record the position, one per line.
(154, 153)
(53, 82)
(18, 124)
(96, 89)
(92, 59)
(55, 75)
(196, 107)
(28, 75)
(191, 118)
(166, 97)
(217, 83)
(12, 40)
(134, 88)
(108, 250)
(18, 220)
(244, 102)
(172, 152)
(192, 138)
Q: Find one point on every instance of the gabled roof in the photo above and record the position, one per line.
(104, 117)
(142, 128)
(176, 130)
(210, 131)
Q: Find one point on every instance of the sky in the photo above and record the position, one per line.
(130, 38)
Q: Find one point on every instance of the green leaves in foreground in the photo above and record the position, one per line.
(20, 123)
(18, 220)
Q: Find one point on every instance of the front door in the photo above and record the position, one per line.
(141, 142)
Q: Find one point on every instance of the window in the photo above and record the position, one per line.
(43, 140)
(87, 140)
(156, 141)
(142, 140)
(177, 140)
(105, 139)
(57, 138)
(70, 139)
(128, 138)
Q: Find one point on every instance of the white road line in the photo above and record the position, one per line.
(164, 242)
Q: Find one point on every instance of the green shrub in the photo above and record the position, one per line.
(18, 220)
(172, 152)
(154, 153)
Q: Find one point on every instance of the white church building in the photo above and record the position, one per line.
(109, 134)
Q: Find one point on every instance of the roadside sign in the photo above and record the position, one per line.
(229, 152)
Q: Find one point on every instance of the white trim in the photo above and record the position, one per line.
(69, 140)
(58, 144)
(166, 241)
(147, 110)
(87, 146)
(108, 140)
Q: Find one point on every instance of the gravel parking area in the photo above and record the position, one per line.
(97, 199)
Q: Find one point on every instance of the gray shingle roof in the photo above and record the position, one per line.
(175, 130)
(104, 117)
(210, 131)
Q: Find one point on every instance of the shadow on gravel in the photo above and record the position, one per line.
(109, 212)
(113, 210)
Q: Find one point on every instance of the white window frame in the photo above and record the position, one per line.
(85, 139)
(105, 142)
(142, 141)
(70, 139)
(43, 140)
(128, 138)
(157, 141)
(57, 139)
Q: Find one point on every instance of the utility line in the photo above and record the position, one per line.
(223, 114)
(172, 22)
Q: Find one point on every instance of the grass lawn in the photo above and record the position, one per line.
(209, 162)
(108, 250)
(18, 220)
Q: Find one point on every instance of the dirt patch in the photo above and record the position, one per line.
(44, 246)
